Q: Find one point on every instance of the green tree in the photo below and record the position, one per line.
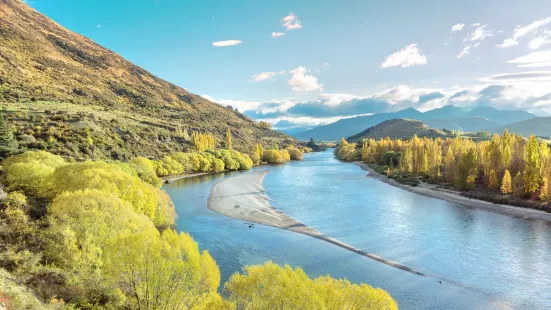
(8, 144)
(532, 172)
(467, 170)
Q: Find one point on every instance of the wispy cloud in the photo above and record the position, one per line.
(408, 56)
(479, 34)
(474, 38)
(533, 60)
(301, 81)
(263, 76)
(457, 27)
(226, 43)
(291, 22)
(521, 31)
(277, 34)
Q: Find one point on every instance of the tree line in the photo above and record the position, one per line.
(508, 162)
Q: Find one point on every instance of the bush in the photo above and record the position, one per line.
(272, 157)
(295, 153)
(29, 171)
(293, 289)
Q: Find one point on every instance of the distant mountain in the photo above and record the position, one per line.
(540, 126)
(350, 126)
(466, 124)
(397, 128)
(446, 112)
(502, 117)
(448, 117)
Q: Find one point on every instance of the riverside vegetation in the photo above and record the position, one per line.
(505, 169)
(97, 234)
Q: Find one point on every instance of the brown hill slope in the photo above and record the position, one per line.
(398, 128)
(40, 61)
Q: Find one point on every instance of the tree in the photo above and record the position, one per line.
(8, 144)
(265, 125)
(449, 165)
(544, 194)
(273, 287)
(518, 185)
(467, 170)
(492, 183)
(506, 186)
(532, 172)
(229, 145)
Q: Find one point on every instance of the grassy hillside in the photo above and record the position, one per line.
(397, 129)
(45, 67)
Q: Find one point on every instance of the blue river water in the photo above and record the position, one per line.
(484, 260)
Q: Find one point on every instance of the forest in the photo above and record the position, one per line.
(101, 235)
(505, 169)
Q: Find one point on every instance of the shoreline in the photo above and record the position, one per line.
(242, 197)
(432, 191)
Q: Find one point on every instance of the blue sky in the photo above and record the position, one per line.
(331, 59)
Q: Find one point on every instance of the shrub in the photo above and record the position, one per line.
(272, 157)
(295, 153)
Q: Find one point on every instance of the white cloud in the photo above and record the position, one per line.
(464, 52)
(538, 42)
(520, 32)
(479, 34)
(263, 76)
(277, 34)
(226, 43)
(533, 60)
(408, 56)
(326, 65)
(474, 38)
(291, 22)
(457, 27)
(529, 76)
(240, 105)
(301, 81)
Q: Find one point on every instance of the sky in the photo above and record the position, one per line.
(305, 63)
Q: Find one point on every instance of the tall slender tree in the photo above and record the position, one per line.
(229, 145)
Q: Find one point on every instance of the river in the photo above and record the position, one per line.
(484, 260)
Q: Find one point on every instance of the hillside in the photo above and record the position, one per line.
(540, 127)
(50, 68)
(397, 129)
(448, 117)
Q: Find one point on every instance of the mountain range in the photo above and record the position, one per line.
(448, 117)
(397, 128)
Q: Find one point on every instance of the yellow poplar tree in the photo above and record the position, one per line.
(229, 145)
(506, 186)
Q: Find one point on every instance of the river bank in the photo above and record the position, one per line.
(433, 191)
(242, 197)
